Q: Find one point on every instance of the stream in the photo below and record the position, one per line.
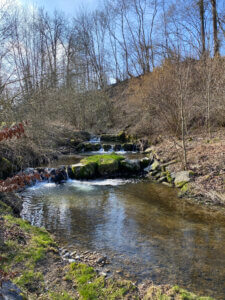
(141, 226)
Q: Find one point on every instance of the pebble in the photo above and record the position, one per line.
(103, 274)
(64, 251)
(101, 260)
(77, 257)
(71, 260)
(73, 253)
(67, 255)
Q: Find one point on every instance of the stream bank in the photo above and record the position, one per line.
(31, 259)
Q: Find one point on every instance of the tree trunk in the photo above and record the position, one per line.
(202, 19)
(215, 30)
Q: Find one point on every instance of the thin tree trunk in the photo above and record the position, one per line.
(215, 30)
(202, 18)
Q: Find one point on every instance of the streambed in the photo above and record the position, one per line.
(141, 226)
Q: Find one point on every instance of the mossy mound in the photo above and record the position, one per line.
(102, 159)
(92, 286)
(107, 164)
(166, 292)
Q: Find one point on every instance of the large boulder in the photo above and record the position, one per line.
(131, 165)
(83, 171)
(108, 168)
(182, 177)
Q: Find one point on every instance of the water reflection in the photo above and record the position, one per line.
(143, 227)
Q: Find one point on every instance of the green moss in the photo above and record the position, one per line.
(102, 159)
(185, 295)
(180, 184)
(30, 280)
(159, 293)
(39, 243)
(91, 286)
(5, 209)
(60, 296)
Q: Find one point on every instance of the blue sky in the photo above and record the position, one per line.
(69, 7)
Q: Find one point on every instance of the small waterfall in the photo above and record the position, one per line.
(94, 140)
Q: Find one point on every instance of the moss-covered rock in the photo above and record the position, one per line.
(155, 166)
(181, 178)
(107, 164)
(84, 171)
(131, 165)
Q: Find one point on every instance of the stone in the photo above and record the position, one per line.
(162, 179)
(101, 260)
(83, 171)
(10, 291)
(148, 150)
(117, 147)
(106, 147)
(108, 168)
(155, 165)
(120, 137)
(131, 165)
(182, 177)
(167, 184)
(128, 147)
(145, 162)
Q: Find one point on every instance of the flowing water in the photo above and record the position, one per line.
(142, 227)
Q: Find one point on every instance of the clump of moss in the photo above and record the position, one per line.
(24, 247)
(168, 293)
(30, 280)
(92, 286)
(102, 159)
(5, 209)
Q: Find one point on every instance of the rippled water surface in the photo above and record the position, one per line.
(142, 227)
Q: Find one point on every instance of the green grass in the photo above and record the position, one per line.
(28, 246)
(102, 159)
(60, 296)
(91, 286)
(5, 209)
(176, 293)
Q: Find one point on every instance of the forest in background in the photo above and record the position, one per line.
(149, 67)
